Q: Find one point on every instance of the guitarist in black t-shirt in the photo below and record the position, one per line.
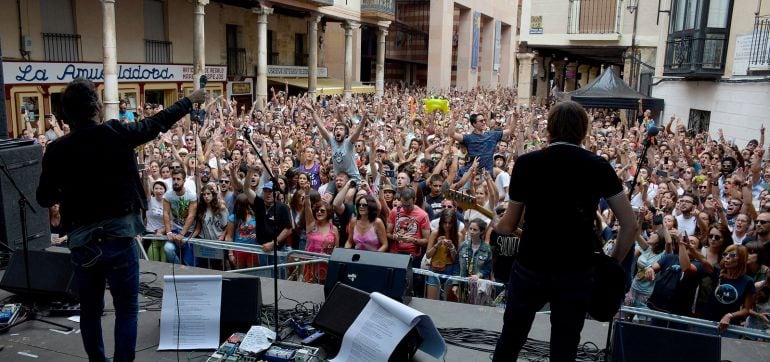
(558, 240)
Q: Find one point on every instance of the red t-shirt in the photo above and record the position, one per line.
(410, 224)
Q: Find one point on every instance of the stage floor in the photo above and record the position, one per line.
(37, 339)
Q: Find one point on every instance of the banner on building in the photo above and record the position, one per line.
(51, 73)
(476, 40)
(498, 34)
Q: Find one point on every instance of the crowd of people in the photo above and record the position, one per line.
(383, 175)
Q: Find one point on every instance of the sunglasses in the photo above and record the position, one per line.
(731, 254)
(715, 237)
(762, 222)
(323, 211)
(363, 205)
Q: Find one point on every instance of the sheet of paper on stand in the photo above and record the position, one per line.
(190, 313)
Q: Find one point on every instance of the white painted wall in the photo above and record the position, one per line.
(740, 109)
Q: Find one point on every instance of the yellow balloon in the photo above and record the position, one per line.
(434, 104)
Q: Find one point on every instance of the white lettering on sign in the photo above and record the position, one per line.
(292, 71)
(47, 73)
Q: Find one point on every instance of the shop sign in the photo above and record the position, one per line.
(293, 71)
(241, 88)
(536, 24)
(48, 73)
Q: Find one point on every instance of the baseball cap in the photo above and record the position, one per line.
(268, 185)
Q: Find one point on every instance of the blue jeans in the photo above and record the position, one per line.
(265, 260)
(569, 294)
(113, 261)
(188, 254)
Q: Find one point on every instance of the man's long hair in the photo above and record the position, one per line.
(80, 103)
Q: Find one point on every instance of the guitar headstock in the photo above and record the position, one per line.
(464, 201)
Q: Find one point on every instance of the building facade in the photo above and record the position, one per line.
(248, 47)
(713, 67)
(565, 44)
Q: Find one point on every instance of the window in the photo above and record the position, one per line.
(300, 49)
(699, 120)
(157, 48)
(236, 56)
(60, 41)
(697, 39)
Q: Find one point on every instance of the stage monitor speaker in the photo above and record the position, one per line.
(241, 305)
(371, 271)
(341, 308)
(637, 342)
(23, 163)
(51, 277)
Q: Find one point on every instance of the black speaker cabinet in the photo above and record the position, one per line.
(371, 271)
(241, 305)
(637, 342)
(23, 162)
(50, 276)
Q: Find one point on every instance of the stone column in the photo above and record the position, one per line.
(312, 57)
(199, 42)
(507, 51)
(110, 60)
(262, 13)
(440, 44)
(379, 83)
(525, 78)
(466, 77)
(487, 76)
(348, 78)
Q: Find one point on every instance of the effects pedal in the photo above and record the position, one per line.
(59, 309)
(8, 314)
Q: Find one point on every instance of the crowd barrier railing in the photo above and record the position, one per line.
(732, 330)
(300, 259)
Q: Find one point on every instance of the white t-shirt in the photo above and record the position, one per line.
(180, 207)
(686, 225)
(154, 215)
(502, 181)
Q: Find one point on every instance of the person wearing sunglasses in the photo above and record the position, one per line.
(322, 237)
(733, 297)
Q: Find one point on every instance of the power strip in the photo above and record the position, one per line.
(8, 314)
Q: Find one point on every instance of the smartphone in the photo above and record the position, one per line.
(661, 173)
(390, 173)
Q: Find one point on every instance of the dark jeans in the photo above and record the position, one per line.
(568, 293)
(113, 261)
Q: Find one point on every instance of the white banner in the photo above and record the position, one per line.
(49, 73)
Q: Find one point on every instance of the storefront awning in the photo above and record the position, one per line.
(324, 86)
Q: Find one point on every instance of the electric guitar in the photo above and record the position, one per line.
(467, 202)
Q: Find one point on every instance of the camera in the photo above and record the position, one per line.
(353, 184)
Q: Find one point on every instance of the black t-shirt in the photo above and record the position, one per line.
(683, 297)
(728, 295)
(560, 188)
(277, 218)
(504, 250)
(433, 206)
(342, 221)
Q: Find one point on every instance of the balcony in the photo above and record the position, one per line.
(594, 19)
(380, 10)
(236, 61)
(695, 56)
(320, 2)
(62, 47)
(158, 51)
(759, 59)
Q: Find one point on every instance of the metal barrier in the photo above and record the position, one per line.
(311, 259)
(743, 331)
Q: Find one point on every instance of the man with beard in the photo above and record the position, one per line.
(343, 155)
(763, 239)
(101, 230)
(686, 221)
(179, 207)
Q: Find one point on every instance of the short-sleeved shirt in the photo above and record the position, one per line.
(482, 146)
(728, 296)
(410, 224)
(343, 158)
(244, 232)
(560, 187)
(180, 206)
(682, 299)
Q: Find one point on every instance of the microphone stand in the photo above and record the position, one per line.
(648, 141)
(23, 203)
(247, 133)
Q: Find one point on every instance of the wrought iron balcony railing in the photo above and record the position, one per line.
(379, 9)
(696, 56)
(759, 60)
(62, 47)
(236, 61)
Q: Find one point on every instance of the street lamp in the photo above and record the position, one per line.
(632, 5)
